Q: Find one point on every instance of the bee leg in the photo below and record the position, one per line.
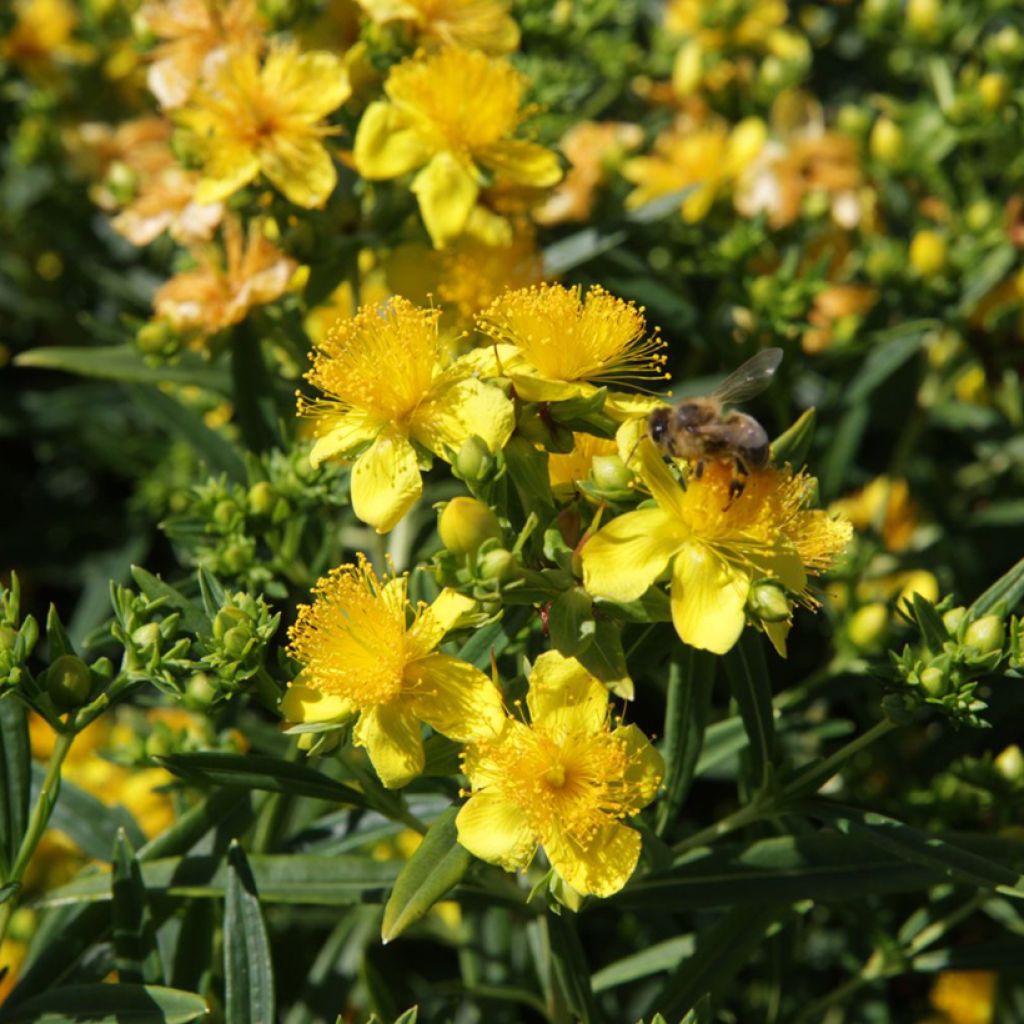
(737, 485)
(698, 470)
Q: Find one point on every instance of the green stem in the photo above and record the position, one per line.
(816, 774)
(38, 820)
(760, 808)
(267, 691)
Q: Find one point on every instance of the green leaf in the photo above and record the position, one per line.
(748, 676)
(90, 823)
(656, 959)
(135, 952)
(335, 881)
(605, 658)
(254, 771)
(57, 638)
(180, 422)
(690, 681)
(889, 350)
(435, 868)
(1005, 593)
(253, 392)
(571, 621)
(792, 445)
(108, 1004)
(576, 249)
(528, 470)
(409, 1017)
(570, 967)
(15, 779)
(722, 951)
(982, 277)
(126, 363)
(917, 847)
(843, 448)
(248, 969)
(933, 632)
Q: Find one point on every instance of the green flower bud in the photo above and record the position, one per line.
(868, 626)
(200, 692)
(497, 564)
(147, 635)
(934, 681)
(609, 473)
(952, 619)
(465, 523)
(7, 638)
(231, 618)
(157, 338)
(986, 635)
(474, 461)
(68, 681)
(260, 499)
(886, 143)
(928, 252)
(122, 182)
(236, 641)
(224, 512)
(767, 601)
(1010, 764)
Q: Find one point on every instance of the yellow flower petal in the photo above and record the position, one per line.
(386, 481)
(228, 169)
(384, 146)
(708, 599)
(454, 698)
(625, 557)
(532, 387)
(315, 82)
(601, 864)
(393, 742)
(343, 434)
(495, 830)
(523, 163)
(302, 704)
(564, 698)
(464, 408)
(621, 406)
(645, 767)
(447, 190)
(301, 168)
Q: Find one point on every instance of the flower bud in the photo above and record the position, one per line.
(1010, 764)
(934, 681)
(157, 338)
(474, 460)
(7, 638)
(465, 523)
(68, 681)
(260, 499)
(868, 626)
(122, 182)
(923, 17)
(919, 581)
(200, 692)
(981, 214)
(928, 251)
(609, 473)
(993, 89)
(952, 619)
(768, 602)
(147, 635)
(230, 618)
(497, 564)
(986, 634)
(224, 512)
(886, 142)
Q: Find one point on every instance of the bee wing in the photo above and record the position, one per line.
(750, 379)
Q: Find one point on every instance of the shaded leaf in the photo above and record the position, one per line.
(136, 955)
(108, 1004)
(248, 970)
(748, 676)
(15, 776)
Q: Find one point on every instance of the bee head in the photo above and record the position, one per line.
(657, 426)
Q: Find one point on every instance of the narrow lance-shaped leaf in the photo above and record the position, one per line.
(248, 969)
(436, 867)
(108, 1004)
(15, 775)
(1006, 592)
(748, 676)
(135, 951)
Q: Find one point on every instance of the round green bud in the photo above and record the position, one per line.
(852, 119)
(886, 143)
(497, 564)
(200, 691)
(981, 214)
(68, 681)
(224, 512)
(8, 636)
(231, 618)
(952, 619)
(235, 557)
(157, 338)
(609, 473)
(122, 182)
(465, 523)
(767, 601)
(147, 635)
(928, 252)
(868, 626)
(1010, 763)
(474, 460)
(260, 499)
(158, 744)
(934, 681)
(986, 634)
(923, 17)
(236, 641)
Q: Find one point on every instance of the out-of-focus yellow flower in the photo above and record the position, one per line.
(566, 470)
(707, 157)
(592, 149)
(12, 954)
(885, 505)
(222, 289)
(972, 385)
(450, 115)
(928, 252)
(801, 159)
(556, 343)
(42, 34)
(195, 36)
(387, 388)
(141, 146)
(564, 782)
(835, 306)
(716, 544)
(268, 119)
(899, 585)
(965, 997)
(360, 656)
(717, 25)
(166, 202)
(482, 25)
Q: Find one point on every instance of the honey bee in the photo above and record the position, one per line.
(697, 429)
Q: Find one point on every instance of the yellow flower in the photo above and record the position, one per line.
(475, 24)
(451, 114)
(965, 997)
(556, 343)
(565, 471)
(219, 293)
(885, 505)
(194, 36)
(166, 202)
(42, 33)
(360, 655)
(709, 157)
(387, 389)
(719, 25)
(716, 545)
(564, 782)
(268, 119)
